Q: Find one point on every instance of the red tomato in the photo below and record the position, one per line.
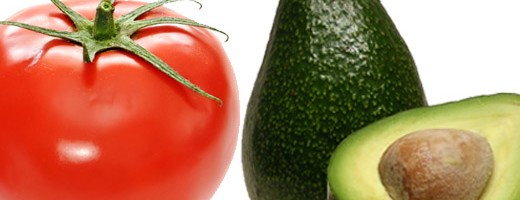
(116, 128)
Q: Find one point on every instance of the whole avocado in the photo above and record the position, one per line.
(330, 68)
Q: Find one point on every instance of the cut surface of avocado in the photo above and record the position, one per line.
(353, 169)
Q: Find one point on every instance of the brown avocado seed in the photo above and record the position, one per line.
(437, 164)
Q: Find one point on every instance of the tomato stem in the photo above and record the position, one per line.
(106, 33)
(104, 24)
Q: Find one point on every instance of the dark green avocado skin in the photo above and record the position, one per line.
(330, 68)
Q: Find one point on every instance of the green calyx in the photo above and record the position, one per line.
(105, 32)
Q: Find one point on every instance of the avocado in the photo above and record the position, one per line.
(330, 68)
(357, 167)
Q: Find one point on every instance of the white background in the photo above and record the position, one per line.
(462, 48)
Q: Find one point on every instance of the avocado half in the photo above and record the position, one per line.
(353, 169)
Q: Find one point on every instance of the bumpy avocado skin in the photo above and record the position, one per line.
(330, 68)
(353, 169)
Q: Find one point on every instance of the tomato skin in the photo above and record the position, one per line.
(116, 128)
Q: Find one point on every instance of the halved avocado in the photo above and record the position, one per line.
(353, 171)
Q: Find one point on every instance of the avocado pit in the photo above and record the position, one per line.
(437, 164)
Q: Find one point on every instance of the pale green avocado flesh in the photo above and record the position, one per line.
(353, 168)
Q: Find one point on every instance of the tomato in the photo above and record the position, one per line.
(117, 127)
